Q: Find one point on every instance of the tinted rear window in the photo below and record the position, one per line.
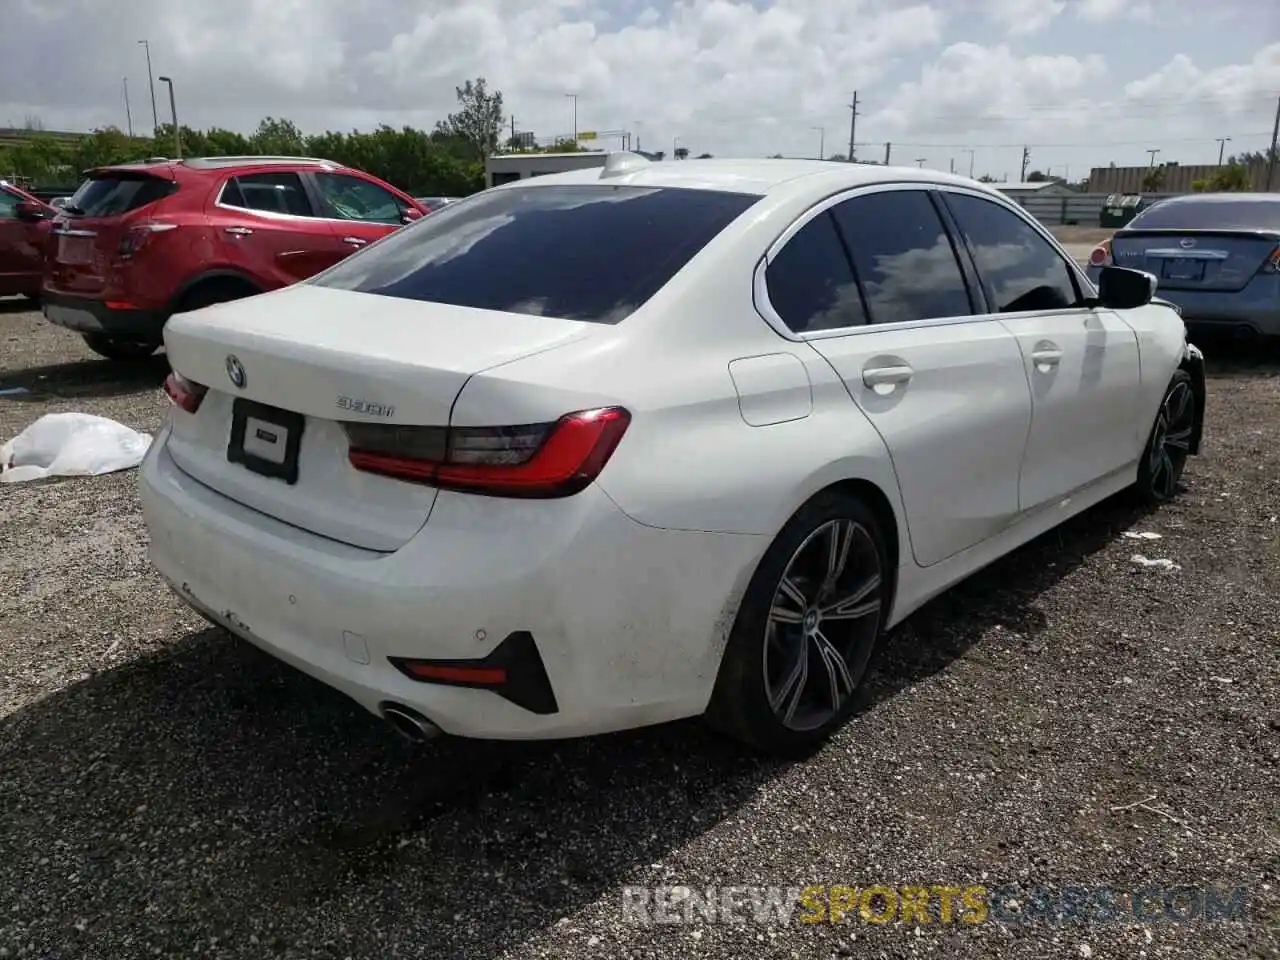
(1210, 215)
(583, 252)
(110, 195)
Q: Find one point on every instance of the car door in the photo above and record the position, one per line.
(873, 282)
(1081, 362)
(267, 225)
(22, 245)
(362, 211)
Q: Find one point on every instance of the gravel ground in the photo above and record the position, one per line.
(166, 791)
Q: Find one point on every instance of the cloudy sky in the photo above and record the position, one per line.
(1083, 82)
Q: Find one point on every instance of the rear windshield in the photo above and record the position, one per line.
(1210, 215)
(105, 196)
(589, 252)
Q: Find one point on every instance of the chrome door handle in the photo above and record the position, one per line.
(876, 376)
(1046, 357)
(354, 241)
(237, 231)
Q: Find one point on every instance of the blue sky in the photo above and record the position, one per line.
(1081, 82)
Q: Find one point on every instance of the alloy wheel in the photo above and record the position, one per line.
(825, 613)
(1171, 441)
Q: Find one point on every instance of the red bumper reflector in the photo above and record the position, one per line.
(487, 676)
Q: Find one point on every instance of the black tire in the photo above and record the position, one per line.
(121, 351)
(764, 654)
(1169, 443)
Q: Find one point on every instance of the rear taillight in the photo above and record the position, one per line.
(137, 235)
(184, 393)
(1101, 255)
(1272, 263)
(536, 460)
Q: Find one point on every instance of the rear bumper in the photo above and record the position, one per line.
(86, 315)
(628, 621)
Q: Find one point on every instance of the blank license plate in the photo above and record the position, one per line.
(1183, 269)
(265, 440)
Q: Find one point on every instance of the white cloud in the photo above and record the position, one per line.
(726, 76)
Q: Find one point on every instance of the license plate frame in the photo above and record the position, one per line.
(249, 415)
(1183, 268)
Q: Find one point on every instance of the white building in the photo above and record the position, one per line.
(507, 167)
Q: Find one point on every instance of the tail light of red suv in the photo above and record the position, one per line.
(136, 236)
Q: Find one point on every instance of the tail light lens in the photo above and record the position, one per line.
(137, 235)
(1272, 263)
(535, 460)
(1101, 255)
(184, 393)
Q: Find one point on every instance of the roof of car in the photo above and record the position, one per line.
(756, 176)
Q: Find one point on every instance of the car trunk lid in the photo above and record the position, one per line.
(1208, 260)
(301, 361)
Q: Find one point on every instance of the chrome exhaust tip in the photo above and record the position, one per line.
(410, 724)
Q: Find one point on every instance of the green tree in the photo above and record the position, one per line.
(277, 138)
(1153, 180)
(478, 121)
(1035, 176)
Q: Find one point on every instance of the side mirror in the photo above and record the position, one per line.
(1120, 288)
(410, 214)
(30, 210)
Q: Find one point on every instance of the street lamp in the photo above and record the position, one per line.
(970, 153)
(574, 98)
(155, 116)
(1222, 147)
(173, 112)
(822, 141)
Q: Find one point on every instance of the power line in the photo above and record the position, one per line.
(1063, 146)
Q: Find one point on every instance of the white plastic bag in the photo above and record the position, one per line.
(69, 445)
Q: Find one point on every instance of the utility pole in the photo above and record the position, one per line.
(1271, 156)
(128, 115)
(173, 110)
(513, 129)
(1153, 155)
(1026, 159)
(853, 122)
(1222, 147)
(953, 164)
(155, 114)
(887, 147)
(920, 162)
(970, 153)
(822, 141)
(636, 124)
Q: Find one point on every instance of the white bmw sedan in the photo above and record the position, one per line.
(619, 446)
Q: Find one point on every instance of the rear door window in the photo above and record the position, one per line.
(590, 252)
(903, 257)
(111, 194)
(8, 205)
(268, 193)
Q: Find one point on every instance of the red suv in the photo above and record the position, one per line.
(141, 241)
(24, 234)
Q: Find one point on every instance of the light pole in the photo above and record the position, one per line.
(1153, 153)
(155, 114)
(970, 153)
(822, 141)
(128, 115)
(1222, 147)
(636, 124)
(173, 112)
(675, 147)
(920, 161)
(574, 98)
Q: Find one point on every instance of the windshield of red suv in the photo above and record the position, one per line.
(110, 194)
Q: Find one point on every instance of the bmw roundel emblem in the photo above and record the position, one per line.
(1187, 243)
(235, 371)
